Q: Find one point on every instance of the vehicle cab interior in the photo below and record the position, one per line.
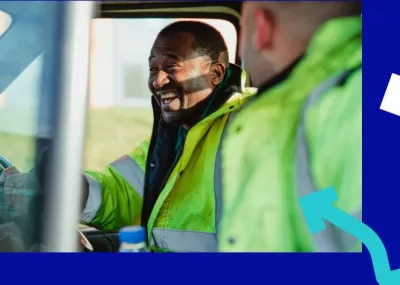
(74, 75)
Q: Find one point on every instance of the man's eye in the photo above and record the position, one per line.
(172, 66)
(153, 69)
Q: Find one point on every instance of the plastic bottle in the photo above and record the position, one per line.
(133, 239)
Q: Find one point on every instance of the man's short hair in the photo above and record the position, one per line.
(207, 40)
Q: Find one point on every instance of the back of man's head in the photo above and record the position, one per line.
(206, 39)
(303, 18)
(275, 33)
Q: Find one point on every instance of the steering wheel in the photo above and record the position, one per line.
(4, 163)
(91, 240)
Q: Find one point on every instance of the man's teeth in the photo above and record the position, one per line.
(168, 95)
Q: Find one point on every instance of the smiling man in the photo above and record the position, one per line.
(167, 183)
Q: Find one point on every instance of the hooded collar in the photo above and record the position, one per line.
(229, 86)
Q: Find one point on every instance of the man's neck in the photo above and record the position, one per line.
(280, 77)
(194, 115)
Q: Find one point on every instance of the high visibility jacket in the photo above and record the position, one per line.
(298, 136)
(187, 211)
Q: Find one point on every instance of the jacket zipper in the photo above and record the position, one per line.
(178, 156)
(163, 183)
(156, 118)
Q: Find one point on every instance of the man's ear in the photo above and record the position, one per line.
(218, 73)
(263, 30)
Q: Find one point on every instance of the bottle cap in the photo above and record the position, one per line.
(132, 234)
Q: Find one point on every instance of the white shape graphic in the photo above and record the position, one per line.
(391, 99)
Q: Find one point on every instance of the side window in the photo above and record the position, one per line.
(5, 22)
(27, 73)
(19, 92)
(120, 114)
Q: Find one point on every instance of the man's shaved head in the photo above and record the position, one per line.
(275, 33)
(305, 17)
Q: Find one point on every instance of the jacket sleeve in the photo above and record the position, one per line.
(116, 193)
(334, 131)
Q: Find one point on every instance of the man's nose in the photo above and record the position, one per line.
(160, 80)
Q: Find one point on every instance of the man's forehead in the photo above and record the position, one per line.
(173, 45)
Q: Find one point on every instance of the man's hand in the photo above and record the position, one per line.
(10, 238)
(17, 191)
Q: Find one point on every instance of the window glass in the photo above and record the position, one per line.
(18, 116)
(25, 38)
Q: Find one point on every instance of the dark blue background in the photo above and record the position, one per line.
(381, 154)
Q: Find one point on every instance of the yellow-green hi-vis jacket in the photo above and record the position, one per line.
(187, 211)
(299, 136)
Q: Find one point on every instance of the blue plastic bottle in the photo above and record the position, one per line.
(133, 239)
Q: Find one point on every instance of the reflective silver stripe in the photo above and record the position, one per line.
(94, 200)
(128, 168)
(332, 239)
(184, 241)
(132, 173)
(218, 175)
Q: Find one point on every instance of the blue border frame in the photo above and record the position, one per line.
(381, 153)
(381, 144)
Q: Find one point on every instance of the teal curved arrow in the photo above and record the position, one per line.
(318, 207)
